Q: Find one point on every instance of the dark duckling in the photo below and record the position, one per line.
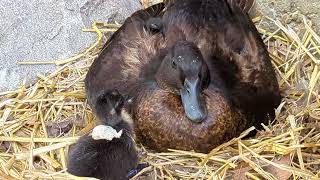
(101, 158)
(198, 81)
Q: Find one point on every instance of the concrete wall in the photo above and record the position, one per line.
(41, 30)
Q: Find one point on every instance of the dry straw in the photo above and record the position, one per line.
(39, 123)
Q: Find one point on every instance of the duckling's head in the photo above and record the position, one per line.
(183, 71)
(110, 107)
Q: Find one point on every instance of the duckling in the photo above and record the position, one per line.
(109, 152)
(112, 109)
(199, 80)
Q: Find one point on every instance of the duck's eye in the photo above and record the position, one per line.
(174, 64)
(154, 28)
(154, 25)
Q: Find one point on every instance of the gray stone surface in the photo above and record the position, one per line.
(41, 30)
(289, 11)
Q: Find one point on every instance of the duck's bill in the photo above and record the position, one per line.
(190, 96)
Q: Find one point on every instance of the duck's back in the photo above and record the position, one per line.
(119, 64)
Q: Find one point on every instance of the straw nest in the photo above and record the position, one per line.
(40, 122)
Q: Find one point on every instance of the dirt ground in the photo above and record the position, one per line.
(290, 12)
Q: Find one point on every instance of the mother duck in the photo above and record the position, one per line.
(197, 70)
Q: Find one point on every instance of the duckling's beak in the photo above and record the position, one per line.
(190, 96)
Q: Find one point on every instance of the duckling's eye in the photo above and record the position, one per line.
(174, 64)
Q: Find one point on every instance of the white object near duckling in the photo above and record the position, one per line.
(105, 132)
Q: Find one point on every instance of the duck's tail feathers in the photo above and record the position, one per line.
(247, 6)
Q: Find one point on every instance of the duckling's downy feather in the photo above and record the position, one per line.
(109, 152)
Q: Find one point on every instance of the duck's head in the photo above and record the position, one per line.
(111, 106)
(183, 71)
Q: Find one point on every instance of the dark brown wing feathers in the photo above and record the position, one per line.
(121, 55)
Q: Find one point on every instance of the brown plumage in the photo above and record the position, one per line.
(201, 79)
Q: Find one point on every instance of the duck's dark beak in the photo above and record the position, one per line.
(190, 96)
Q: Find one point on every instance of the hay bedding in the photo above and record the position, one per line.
(39, 123)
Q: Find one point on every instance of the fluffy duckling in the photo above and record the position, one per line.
(109, 152)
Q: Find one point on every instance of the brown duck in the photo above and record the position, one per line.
(197, 69)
